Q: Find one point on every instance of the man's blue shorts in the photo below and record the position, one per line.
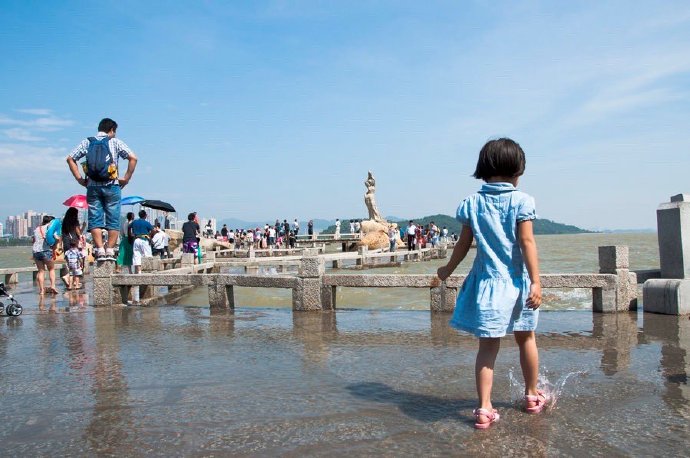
(104, 204)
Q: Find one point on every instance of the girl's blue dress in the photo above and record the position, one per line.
(492, 298)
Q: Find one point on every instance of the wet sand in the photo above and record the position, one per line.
(180, 381)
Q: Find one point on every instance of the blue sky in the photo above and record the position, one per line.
(265, 110)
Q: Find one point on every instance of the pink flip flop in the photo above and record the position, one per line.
(540, 400)
(492, 415)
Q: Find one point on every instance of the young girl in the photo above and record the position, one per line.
(502, 292)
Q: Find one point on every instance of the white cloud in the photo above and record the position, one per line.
(21, 161)
(48, 123)
(21, 134)
(36, 111)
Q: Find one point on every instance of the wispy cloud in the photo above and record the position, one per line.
(36, 111)
(21, 134)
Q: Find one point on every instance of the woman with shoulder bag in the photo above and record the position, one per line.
(43, 257)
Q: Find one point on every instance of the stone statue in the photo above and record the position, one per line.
(370, 199)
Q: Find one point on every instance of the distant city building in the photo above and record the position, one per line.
(1, 230)
(22, 225)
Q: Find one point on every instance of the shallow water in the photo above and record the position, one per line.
(180, 381)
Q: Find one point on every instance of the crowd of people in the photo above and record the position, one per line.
(278, 235)
(418, 236)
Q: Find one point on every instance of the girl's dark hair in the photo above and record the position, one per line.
(191, 216)
(71, 221)
(130, 216)
(46, 219)
(500, 158)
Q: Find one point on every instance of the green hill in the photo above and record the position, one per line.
(541, 226)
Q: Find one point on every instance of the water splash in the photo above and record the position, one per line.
(552, 390)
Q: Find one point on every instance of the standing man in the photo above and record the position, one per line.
(102, 182)
(411, 234)
(337, 229)
(310, 228)
(295, 227)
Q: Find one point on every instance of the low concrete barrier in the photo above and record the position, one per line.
(613, 289)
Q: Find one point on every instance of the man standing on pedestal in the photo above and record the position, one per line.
(102, 182)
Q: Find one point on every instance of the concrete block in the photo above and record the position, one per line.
(673, 227)
(307, 295)
(443, 298)
(612, 258)
(666, 296)
(311, 267)
(103, 269)
(328, 295)
(102, 291)
(151, 264)
(221, 296)
(188, 259)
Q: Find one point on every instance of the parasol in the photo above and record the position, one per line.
(77, 201)
(131, 200)
(158, 205)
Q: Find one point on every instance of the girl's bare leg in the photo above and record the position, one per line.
(484, 371)
(529, 361)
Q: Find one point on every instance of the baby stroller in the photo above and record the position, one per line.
(13, 308)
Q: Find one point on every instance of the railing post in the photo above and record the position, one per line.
(622, 295)
(220, 295)
(443, 298)
(307, 295)
(103, 283)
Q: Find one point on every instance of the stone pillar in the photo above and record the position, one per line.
(307, 295)
(362, 252)
(670, 294)
(443, 298)
(102, 283)
(221, 296)
(622, 295)
(188, 259)
(673, 228)
(328, 294)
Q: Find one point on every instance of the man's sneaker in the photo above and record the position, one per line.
(99, 254)
(109, 254)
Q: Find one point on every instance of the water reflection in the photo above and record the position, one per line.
(619, 334)
(111, 429)
(315, 330)
(674, 334)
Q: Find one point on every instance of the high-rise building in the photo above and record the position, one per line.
(2, 234)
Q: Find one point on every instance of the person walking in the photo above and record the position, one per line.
(142, 231)
(102, 182)
(42, 254)
(190, 235)
(502, 292)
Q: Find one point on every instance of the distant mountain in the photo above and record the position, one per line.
(541, 226)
